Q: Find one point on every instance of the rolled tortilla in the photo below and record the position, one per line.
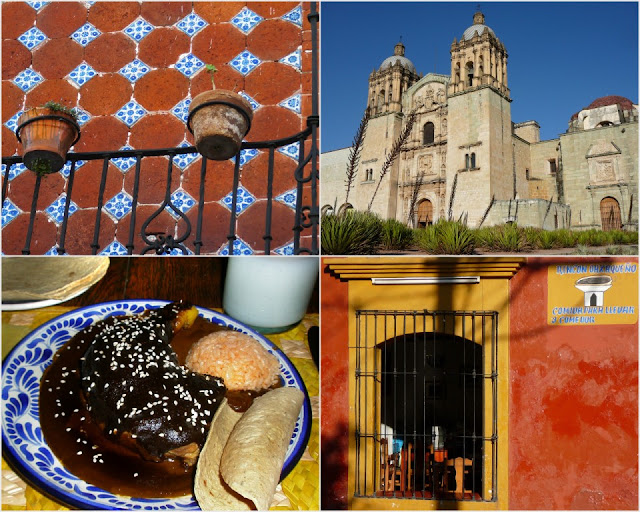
(245, 473)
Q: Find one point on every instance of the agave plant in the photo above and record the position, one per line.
(395, 235)
(446, 237)
(350, 232)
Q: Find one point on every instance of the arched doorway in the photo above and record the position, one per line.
(610, 214)
(425, 214)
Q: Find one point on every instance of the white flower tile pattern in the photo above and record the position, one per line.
(246, 20)
(294, 59)
(182, 201)
(191, 24)
(285, 250)
(189, 65)
(246, 155)
(294, 16)
(181, 110)
(82, 116)
(184, 161)
(254, 104)
(244, 200)
(292, 103)
(124, 163)
(37, 5)
(9, 212)
(139, 29)
(55, 210)
(240, 248)
(115, 248)
(288, 198)
(15, 171)
(66, 168)
(82, 74)
(85, 34)
(27, 79)
(245, 62)
(32, 38)
(292, 150)
(134, 70)
(12, 122)
(130, 113)
(119, 205)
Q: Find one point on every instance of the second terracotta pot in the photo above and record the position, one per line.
(218, 128)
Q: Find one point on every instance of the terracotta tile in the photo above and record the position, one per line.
(254, 174)
(273, 123)
(157, 131)
(215, 227)
(15, 58)
(271, 9)
(12, 99)
(54, 89)
(218, 180)
(251, 225)
(216, 12)
(17, 18)
(164, 13)
(113, 16)
(61, 19)
(273, 39)
(22, 186)
(163, 46)
(57, 58)
(9, 142)
(86, 184)
(305, 106)
(152, 185)
(104, 133)
(272, 82)
(218, 44)
(80, 230)
(161, 89)
(42, 239)
(105, 94)
(110, 52)
(226, 78)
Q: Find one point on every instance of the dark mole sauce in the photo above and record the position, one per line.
(84, 449)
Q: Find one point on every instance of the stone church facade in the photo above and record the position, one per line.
(466, 159)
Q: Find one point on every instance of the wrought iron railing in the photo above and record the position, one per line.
(306, 221)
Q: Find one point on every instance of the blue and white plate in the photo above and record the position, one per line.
(23, 444)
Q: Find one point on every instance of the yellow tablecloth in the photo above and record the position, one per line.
(300, 489)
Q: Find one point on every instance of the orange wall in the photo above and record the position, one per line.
(573, 439)
(334, 365)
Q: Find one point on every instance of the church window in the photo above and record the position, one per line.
(605, 123)
(368, 175)
(469, 70)
(473, 160)
(553, 166)
(526, 172)
(427, 133)
(381, 98)
(467, 161)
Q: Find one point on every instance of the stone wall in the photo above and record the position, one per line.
(529, 212)
(131, 69)
(615, 148)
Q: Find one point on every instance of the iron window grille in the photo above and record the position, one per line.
(426, 404)
(306, 220)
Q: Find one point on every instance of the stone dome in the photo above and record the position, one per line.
(478, 27)
(604, 101)
(398, 57)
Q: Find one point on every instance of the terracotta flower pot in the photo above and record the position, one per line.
(219, 120)
(46, 139)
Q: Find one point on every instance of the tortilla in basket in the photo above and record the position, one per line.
(240, 464)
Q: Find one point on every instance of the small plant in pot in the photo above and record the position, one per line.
(219, 119)
(46, 134)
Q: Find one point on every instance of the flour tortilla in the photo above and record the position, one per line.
(240, 464)
(29, 278)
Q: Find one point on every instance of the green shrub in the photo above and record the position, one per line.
(510, 238)
(350, 232)
(395, 235)
(531, 236)
(446, 237)
(566, 238)
(546, 240)
(485, 237)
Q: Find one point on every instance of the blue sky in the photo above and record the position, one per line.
(562, 55)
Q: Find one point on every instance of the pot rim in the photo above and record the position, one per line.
(60, 116)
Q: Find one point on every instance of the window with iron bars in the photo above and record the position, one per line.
(426, 404)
